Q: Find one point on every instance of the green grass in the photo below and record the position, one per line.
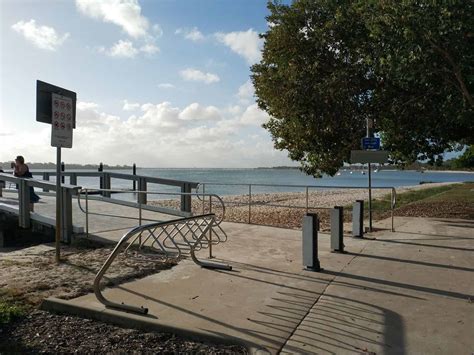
(10, 310)
(452, 193)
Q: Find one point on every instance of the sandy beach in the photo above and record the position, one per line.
(274, 208)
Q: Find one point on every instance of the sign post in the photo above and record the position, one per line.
(57, 106)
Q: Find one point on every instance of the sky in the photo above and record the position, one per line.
(159, 83)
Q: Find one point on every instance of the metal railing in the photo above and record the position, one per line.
(184, 236)
(105, 183)
(24, 213)
(85, 193)
(306, 191)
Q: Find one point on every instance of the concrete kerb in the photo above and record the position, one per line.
(130, 320)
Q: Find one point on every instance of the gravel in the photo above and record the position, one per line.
(46, 333)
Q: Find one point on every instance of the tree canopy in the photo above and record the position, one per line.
(328, 65)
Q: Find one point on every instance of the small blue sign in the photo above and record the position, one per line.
(371, 143)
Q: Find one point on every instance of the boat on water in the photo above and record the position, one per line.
(376, 170)
(362, 172)
(338, 174)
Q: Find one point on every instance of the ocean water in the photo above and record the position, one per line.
(215, 179)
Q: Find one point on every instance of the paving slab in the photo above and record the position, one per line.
(261, 301)
(405, 292)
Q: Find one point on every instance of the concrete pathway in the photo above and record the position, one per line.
(403, 292)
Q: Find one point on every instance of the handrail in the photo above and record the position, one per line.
(85, 192)
(137, 231)
(36, 182)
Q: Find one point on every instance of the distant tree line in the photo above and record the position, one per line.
(6, 165)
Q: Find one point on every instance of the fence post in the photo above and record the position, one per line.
(142, 187)
(358, 219)
(45, 177)
(134, 172)
(310, 242)
(106, 185)
(250, 202)
(24, 204)
(337, 229)
(186, 199)
(66, 213)
(73, 179)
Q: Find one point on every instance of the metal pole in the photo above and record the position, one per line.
(203, 190)
(250, 201)
(63, 168)
(58, 205)
(87, 214)
(134, 172)
(370, 199)
(391, 207)
(369, 134)
(210, 229)
(139, 214)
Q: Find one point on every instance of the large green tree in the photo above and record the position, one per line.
(328, 65)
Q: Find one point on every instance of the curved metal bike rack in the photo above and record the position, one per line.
(193, 234)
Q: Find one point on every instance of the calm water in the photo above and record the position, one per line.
(279, 177)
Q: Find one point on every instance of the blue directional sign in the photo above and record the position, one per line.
(371, 143)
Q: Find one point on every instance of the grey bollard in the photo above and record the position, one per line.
(358, 219)
(337, 229)
(310, 242)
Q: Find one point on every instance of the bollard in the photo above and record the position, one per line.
(337, 229)
(310, 242)
(358, 219)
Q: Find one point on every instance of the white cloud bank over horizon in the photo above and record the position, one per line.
(158, 135)
(43, 37)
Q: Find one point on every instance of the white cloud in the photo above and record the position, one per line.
(123, 13)
(166, 86)
(246, 92)
(157, 135)
(196, 112)
(190, 74)
(127, 49)
(43, 37)
(123, 49)
(83, 106)
(254, 116)
(149, 48)
(130, 106)
(245, 43)
(192, 34)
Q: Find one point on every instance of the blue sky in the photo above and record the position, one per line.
(161, 83)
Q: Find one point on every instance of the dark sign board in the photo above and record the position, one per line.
(44, 111)
(369, 156)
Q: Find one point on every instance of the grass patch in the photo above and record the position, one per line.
(10, 309)
(450, 193)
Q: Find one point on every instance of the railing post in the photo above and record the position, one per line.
(87, 213)
(210, 229)
(250, 202)
(142, 187)
(45, 177)
(73, 179)
(203, 191)
(106, 184)
(134, 172)
(66, 213)
(24, 204)
(186, 199)
(101, 179)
